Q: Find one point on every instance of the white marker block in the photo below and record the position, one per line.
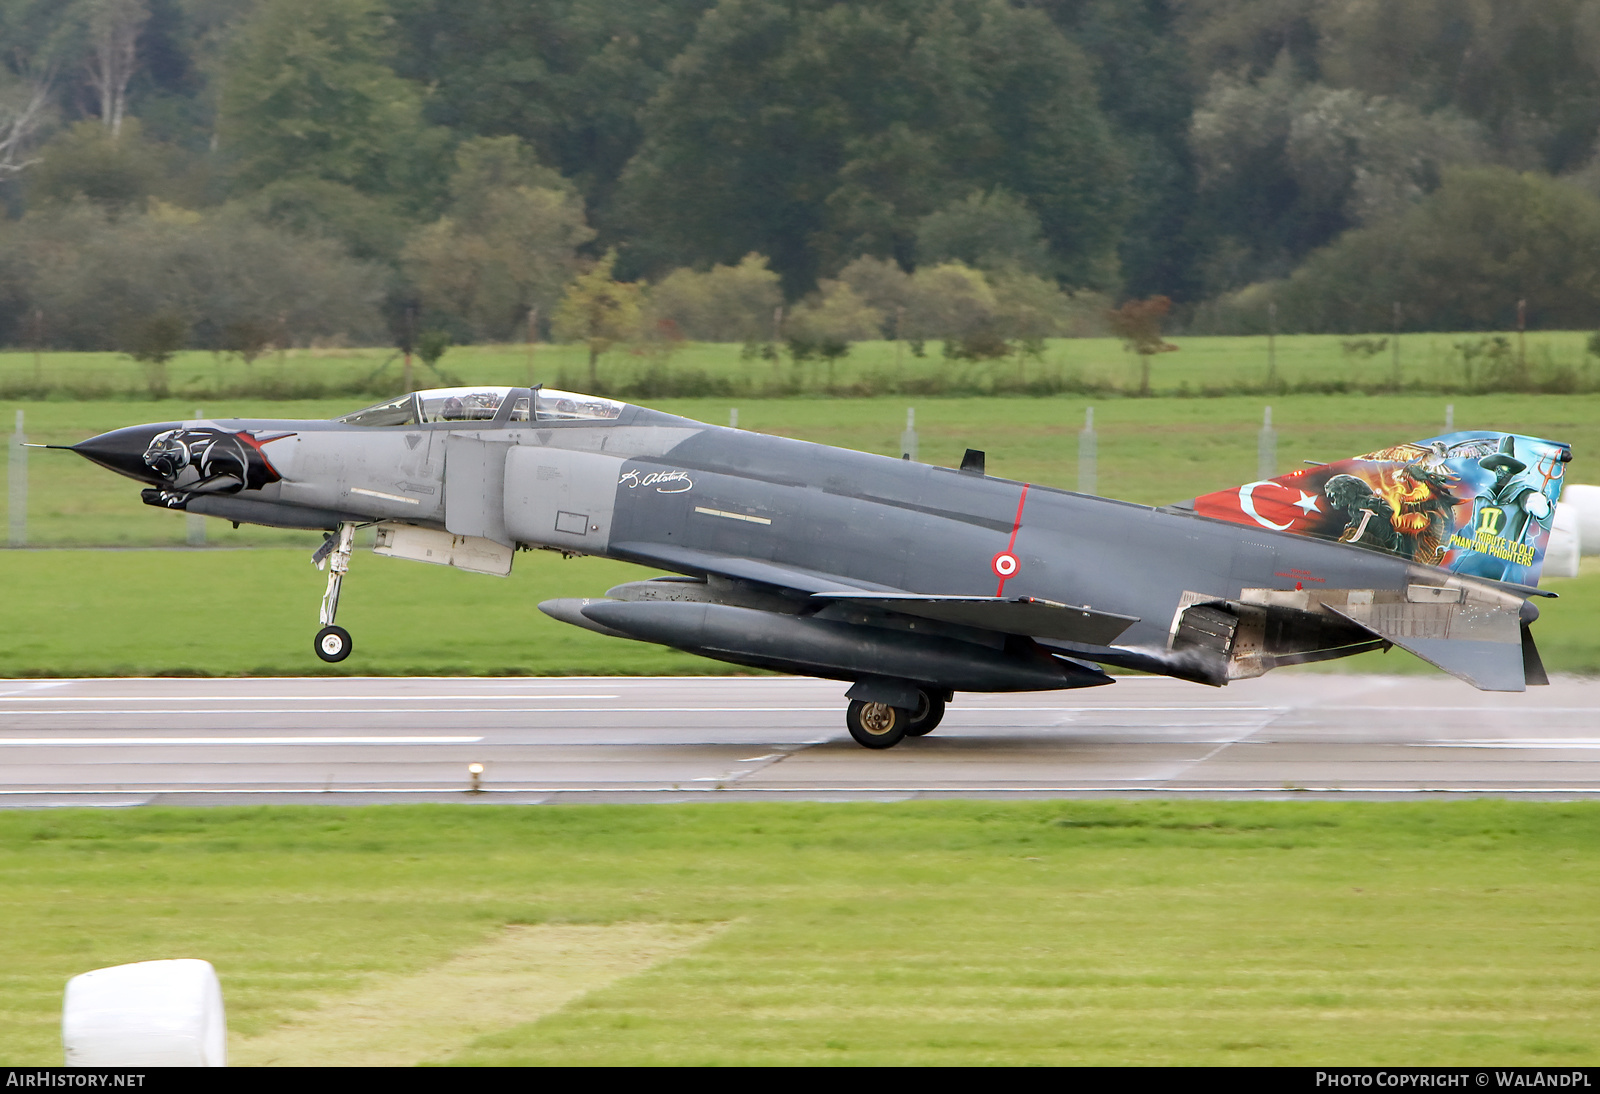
(1562, 550)
(149, 1014)
(1584, 502)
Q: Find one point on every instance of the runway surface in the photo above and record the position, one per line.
(190, 742)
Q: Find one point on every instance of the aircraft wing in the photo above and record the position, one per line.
(1008, 615)
(1005, 615)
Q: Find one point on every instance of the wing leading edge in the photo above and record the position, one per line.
(1027, 616)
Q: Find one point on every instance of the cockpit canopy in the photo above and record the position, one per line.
(465, 406)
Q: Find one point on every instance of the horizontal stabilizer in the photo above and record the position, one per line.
(1023, 615)
(1473, 633)
(1487, 666)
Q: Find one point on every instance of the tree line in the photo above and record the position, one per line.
(983, 173)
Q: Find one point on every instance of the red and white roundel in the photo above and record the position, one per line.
(1004, 564)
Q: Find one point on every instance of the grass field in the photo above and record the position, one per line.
(932, 933)
(1203, 364)
(1030, 932)
(223, 613)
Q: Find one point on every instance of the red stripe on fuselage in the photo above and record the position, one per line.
(1016, 526)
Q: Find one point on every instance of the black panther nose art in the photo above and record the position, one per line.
(189, 458)
(123, 450)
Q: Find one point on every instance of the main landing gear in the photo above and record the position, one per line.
(879, 725)
(333, 643)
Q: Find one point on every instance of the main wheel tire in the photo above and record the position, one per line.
(332, 644)
(876, 725)
(929, 713)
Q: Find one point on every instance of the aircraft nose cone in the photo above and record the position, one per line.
(124, 450)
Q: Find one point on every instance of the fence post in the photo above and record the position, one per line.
(1522, 337)
(18, 481)
(1449, 417)
(1087, 453)
(733, 418)
(1267, 449)
(1272, 344)
(1395, 343)
(533, 338)
(196, 524)
(908, 439)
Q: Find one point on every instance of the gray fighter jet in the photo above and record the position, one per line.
(909, 581)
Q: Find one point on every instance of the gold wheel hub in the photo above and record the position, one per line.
(877, 719)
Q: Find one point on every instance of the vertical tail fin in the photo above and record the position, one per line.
(1479, 503)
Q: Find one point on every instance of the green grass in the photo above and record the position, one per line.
(1430, 361)
(229, 613)
(226, 613)
(934, 933)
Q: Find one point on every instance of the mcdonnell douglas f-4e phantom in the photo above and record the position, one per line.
(909, 581)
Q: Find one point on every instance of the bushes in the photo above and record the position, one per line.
(509, 244)
(96, 279)
(728, 304)
(1458, 260)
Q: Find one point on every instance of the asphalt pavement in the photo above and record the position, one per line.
(123, 742)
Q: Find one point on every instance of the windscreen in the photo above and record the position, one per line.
(438, 405)
(400, 411)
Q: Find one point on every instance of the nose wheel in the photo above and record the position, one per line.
(333, 643)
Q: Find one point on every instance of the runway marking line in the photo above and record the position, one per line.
(280, 698)
(1054, 711)
(100, 741)
(1510, 742)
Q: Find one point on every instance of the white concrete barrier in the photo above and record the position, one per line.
(149, 1014)
(1574, 532)
(1562, 551)
(1584, 502)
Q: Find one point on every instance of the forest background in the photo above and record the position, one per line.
(233, 175)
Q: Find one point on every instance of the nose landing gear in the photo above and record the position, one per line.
(333, 643)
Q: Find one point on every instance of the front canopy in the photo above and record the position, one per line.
(464, 406)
